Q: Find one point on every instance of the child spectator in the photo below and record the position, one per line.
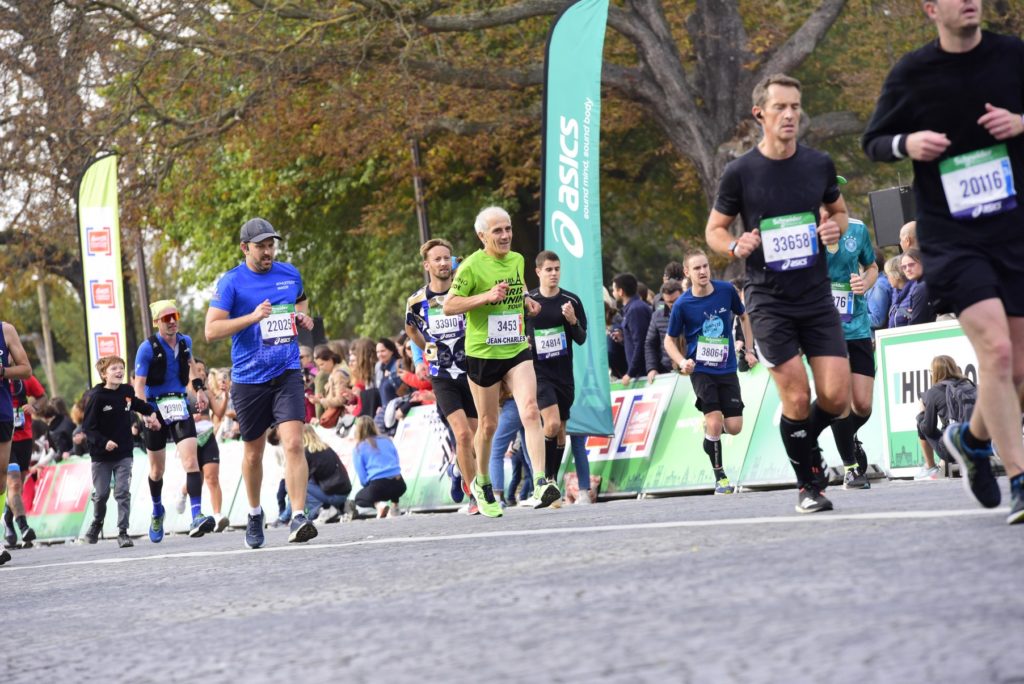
(376, 462)
(108, 428)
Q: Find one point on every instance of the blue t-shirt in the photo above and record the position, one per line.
(707, 322)
(855, 250)
(171, 383)
(260, 353)
(376, 463)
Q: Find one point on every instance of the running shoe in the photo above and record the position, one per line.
(926, 473)
(156, 526)
(28, 535)
(1016, 514)
(222, 523)
(92, 535)
(201, 525)
(855, 479)
(302, 529)
(456, 492)
(10, 538)
(975, 468)
(544, 494)
(5, 556)
(724, 487)
(859, 453)
(812, 501)
(470, 508)
(395, 510)
(583, 498)
(254, 537)
(348, 513)
(179, 505)
(485, 500)
(383, 508)
(820, 469)
(123, 540)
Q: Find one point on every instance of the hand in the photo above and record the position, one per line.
(497, 293)
(751, 358)
(926, 145)
(569, 313)
(1001, 124)
(747, 243)
(263, 310)
(78, 437)
(651, 375)
(202, 402)
(111, 445)
(829, 232)
(617, 336)
(29, 411)
(152, 422)
(304, 321)
(857, 284)
(687, 367)
(532, 306)
(625, 379)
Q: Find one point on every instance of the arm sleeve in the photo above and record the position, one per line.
(578, 332)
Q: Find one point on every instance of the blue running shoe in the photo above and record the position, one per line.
(1016, 500)
(975, 468)
(201, 524)
(254, 537)
(302, 529)
(457, 493)
(156, 525)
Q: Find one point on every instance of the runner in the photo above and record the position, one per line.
(208, 452)
(14, 365)
(443, 339)
(164, 369)
(954, 107)
(703, 316)
(560, 322)
(258, 304)
(777, 188)
(489, 288)
(852, 272)
(24, 393)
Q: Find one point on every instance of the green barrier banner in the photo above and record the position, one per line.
(60, 499)
(420, 441)
(570, 202)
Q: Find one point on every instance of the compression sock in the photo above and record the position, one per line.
(798, 442)
(819, 420)
(22, 523)
(156, 487)
(713, 448)
(194, 487)
(843, 431)
(551, 459)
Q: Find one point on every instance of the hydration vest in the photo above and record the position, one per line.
(158, 366)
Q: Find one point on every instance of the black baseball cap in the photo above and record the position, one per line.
(258, 230)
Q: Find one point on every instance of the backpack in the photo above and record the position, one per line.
(961, 395)
(158, 366)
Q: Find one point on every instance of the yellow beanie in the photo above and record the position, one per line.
(157, 307)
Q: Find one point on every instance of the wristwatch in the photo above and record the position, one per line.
(732, 248)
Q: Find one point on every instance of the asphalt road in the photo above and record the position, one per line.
(907, 582)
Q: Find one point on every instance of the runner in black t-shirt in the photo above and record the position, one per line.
(561, 322)
(954, 107)
(778, 188)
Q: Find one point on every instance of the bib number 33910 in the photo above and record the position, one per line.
(279, 326)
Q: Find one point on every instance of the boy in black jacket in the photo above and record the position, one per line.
(108, 428)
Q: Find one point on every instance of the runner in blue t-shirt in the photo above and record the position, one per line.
(852, 271)
(14, 365)
(260, 304)
(164, 367)
(702, 316)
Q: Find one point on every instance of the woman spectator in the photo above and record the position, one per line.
(335, 393)
(60, 428)
(919, 309)
(934, 415)
(900, 291)
(329, 484)
(361, 366)
(222, 406)
(376, 461)
(386, 371)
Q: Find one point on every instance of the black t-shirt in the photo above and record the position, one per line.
(758, 189)
(551, 336)
(930, 89)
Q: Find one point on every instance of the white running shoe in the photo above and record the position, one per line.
(583, 498)
(179, 505)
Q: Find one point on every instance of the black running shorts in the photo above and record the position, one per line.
(550, 393)
(6, 430)
(862, 357)
(487, 372)
(717, 393)
(453, 395)
(258, 406)
(209, 453)
(784, 330)
(21, 453)
(176, 432)
(960, 273)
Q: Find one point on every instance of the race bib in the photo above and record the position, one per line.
(842, 298)
(19, 418)
(978, 183)
(172, 408)
(712, 351)
(279, 326)
(789, 242)
(443, 327)
(505, 328)
(551, 342)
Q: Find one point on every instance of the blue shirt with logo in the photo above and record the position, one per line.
(171, 383)
(855, 250)
(710, 317)
(239, 292)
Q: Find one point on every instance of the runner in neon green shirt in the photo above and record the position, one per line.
(489, 289)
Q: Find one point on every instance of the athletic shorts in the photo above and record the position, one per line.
(862, 357)
(783, 331)
(209, 453)
(453, 395)
(550, 393)
(6, 430)
(21, 453)
(258, 406)
(176, 432)
(487, 372)
(717, 393)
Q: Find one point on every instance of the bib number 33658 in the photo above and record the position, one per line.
(789, 242)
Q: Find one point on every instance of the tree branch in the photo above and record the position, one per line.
(831, 125)
(801, 44)
(485, 79)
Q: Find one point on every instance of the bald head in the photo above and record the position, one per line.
(908, 235)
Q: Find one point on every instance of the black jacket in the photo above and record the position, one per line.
(654, 346)
(327, 472)
(58, 434)
(108, 417)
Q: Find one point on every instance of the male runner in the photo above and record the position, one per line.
(954, 107)
(703, 316)
(258, 304)
(852, 272)
(164, 368)
(489, 288)
(443, 341)
(14, 365)
(560, 323)
(23, 394)
(778, 188)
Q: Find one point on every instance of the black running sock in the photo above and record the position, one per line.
(194, 487)
(551, 458)
(156, 487)
(798, 442)
(713, 448)
(975, 443)
(844, 431)
(819, 420)
(22, 523)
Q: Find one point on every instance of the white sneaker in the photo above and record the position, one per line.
(584, 497)
(328, 514)
(926, 473)
(382, 509)
(395, 511)
(222, 523)
(179, 505)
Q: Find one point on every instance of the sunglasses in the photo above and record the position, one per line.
(169, 318)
